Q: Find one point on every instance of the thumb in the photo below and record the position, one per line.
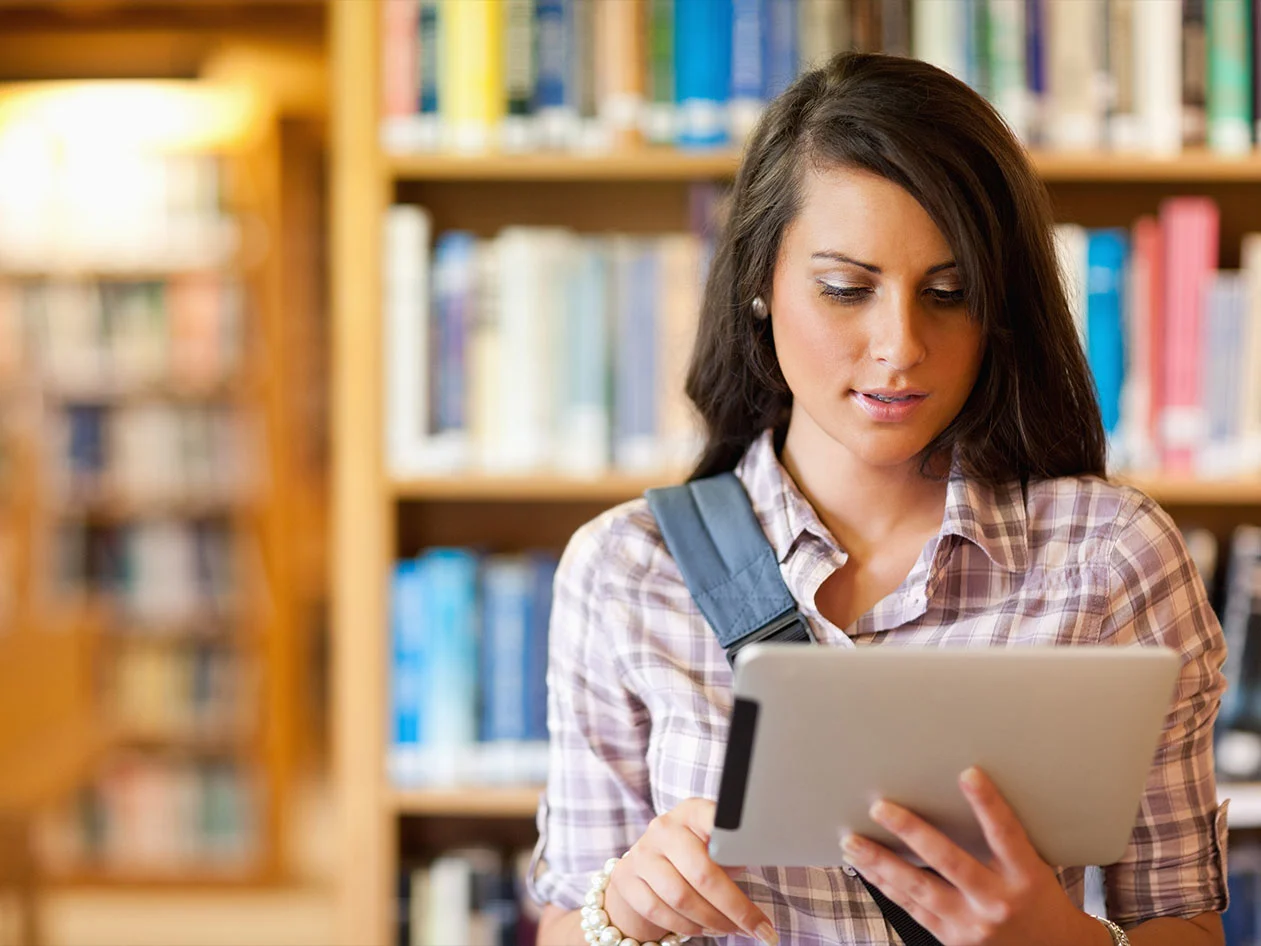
(698, 817)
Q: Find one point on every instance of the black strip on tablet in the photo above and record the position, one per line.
(735, 768)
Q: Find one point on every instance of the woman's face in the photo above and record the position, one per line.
(870, 326)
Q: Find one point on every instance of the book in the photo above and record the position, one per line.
(1229, 93)
(1106, 252)
(702, 70)
(1190, 226)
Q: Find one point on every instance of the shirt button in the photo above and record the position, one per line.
(850, 871)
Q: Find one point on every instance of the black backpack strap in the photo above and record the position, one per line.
(731, 570)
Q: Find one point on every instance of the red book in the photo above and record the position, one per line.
(1191, 228)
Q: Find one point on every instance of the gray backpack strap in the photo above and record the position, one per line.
(728, 564)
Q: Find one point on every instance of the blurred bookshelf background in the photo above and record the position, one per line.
(324, 324)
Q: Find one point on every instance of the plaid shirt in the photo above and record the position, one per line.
(640, 689)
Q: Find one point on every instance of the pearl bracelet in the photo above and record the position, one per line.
(1118, 935)
(596, 927)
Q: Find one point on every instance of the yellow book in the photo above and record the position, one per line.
(472, 85)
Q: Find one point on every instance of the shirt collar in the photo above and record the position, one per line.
(991, 517)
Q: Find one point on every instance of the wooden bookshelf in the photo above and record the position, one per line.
(520, 802)
(269, 241)
(1193, 166)
(376, 517)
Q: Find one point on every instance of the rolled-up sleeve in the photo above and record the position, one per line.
(1175, 863)
(597, 802)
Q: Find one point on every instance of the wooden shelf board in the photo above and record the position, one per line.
(522, 802)
(474, 487)
(618, 488)
(517, 801)
(1188, 491)
(635, 164)
(667, 164)
(1197, 165)
(182, 878)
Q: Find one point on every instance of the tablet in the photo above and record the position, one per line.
(820, 733)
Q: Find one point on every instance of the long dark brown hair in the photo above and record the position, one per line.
(1033, 411)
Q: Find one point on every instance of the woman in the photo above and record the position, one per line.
(887, 360)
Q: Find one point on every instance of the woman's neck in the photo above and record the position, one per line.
(864, 506)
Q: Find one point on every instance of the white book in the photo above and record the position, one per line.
(938, 37)
(531, 306)
(1158, 76)
(1074, 74)
(1250, 393)
(1070, 245)
(411, 448)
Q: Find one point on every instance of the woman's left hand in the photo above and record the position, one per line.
(1014, 900)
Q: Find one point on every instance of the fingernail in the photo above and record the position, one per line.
(971, 778)
(854, 847)
(766, 934)
(880, 811)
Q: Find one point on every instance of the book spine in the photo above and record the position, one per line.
(449, 716)
(506, 587)
(702, 70)
(1106, 258)
(895, 27)
(1191, 229)
(1158, 76)
(938, 36)
(1074, 61)
(1007, 69)
(1229, 76)
(781, 47)
(659, 113)
(620, 69)
(1194, 72)
(407, 370)
(518, 131)
(398, 57)
(472, 73)
(749, 36)
(583, 422)
(1220, 373)
(823, 28)
(1250, 391)
(1124, 132)
(555, 100)
(408, 682)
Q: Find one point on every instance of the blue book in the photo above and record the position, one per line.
(702, 70)
(782, 47)
(749, 35)
(449, 717)
(553, 22)
(454, 286)
(543, 574)
(1035, 49)
(429, 39)
(1106, 255)
(407, 684)
(506, 586)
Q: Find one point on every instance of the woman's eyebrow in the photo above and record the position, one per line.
(871, 267)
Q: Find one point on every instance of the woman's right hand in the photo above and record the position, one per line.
(667, 882)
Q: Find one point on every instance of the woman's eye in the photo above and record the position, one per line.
(947, 297)
(844, 293)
